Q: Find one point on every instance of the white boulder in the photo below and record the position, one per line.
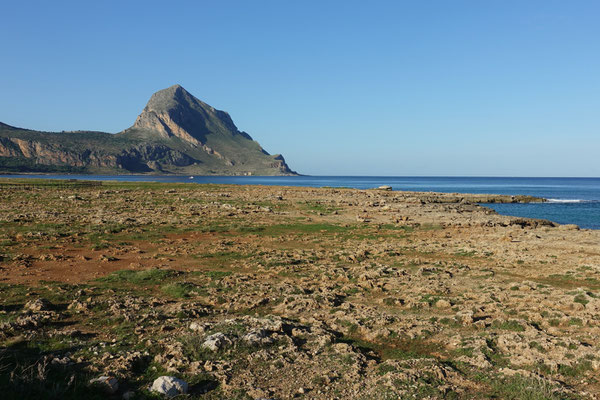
(169, 386)
(216, 341)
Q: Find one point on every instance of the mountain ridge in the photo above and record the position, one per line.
(175, 133)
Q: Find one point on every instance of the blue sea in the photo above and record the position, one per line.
(570, 200)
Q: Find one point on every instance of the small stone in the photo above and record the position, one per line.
(196, 327)
(216, 341)
(38, 305)
(63, 362)
(443, 304)
(464, 317)
(107, 383)
(169, 386)
(255, 338)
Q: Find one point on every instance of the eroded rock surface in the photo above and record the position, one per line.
(281, 292)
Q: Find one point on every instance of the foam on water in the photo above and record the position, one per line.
(566, 201)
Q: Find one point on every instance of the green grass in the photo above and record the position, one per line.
(13, 294)
(464, 351)
(179, 289)
(465, 253)
(576, 370)
(393, 348)
(321, 228)
(148, 276)
(535, 345)
(581, 299)
(575, 322)
(222, 258)
(519, 387)
(510, 325)
(318, 207)
(383, 369)
(568, 281)
(493, 354)
(46, 228)
(430, 299)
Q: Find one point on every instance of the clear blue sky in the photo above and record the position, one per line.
(498, 88)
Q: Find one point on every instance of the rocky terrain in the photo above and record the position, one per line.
(130, 290)
(175, 133)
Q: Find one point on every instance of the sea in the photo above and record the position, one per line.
(570, 200)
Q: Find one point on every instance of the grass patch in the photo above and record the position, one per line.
(465, 253)
(493, 355)
(318, 207)
(575, 322)
(568, 281)
(395, 348)
(575, 370)
(581, 299)
(222, 257)
(510, 325)
(179, 289)
(148, 276)
(518, 387)
(286, 229)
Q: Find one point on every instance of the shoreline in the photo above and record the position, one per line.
(482, 199)
(429, 196)
(585, 212)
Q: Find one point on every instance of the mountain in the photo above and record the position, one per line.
(175, 133)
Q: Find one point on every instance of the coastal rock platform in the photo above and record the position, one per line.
(320, 293)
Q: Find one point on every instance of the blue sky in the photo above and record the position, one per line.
(492, 88)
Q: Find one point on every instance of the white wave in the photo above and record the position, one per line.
(566, 201)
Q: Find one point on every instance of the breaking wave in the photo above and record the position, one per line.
(571, 201)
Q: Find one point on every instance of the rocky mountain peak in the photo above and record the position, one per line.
(175, 112)
(169, 98)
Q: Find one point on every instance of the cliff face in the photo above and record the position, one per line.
(141, 158)
(175, 133)
(53, 154)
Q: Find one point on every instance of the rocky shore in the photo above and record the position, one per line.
(143, 290)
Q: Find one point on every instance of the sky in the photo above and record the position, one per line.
(396, 88)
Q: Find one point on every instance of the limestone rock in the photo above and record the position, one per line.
(216, 341)
(443, 304)
(38, 305)
(169, 386)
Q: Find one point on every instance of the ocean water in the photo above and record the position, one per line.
(570, 200)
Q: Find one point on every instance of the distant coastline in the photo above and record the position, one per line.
(562, 209)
